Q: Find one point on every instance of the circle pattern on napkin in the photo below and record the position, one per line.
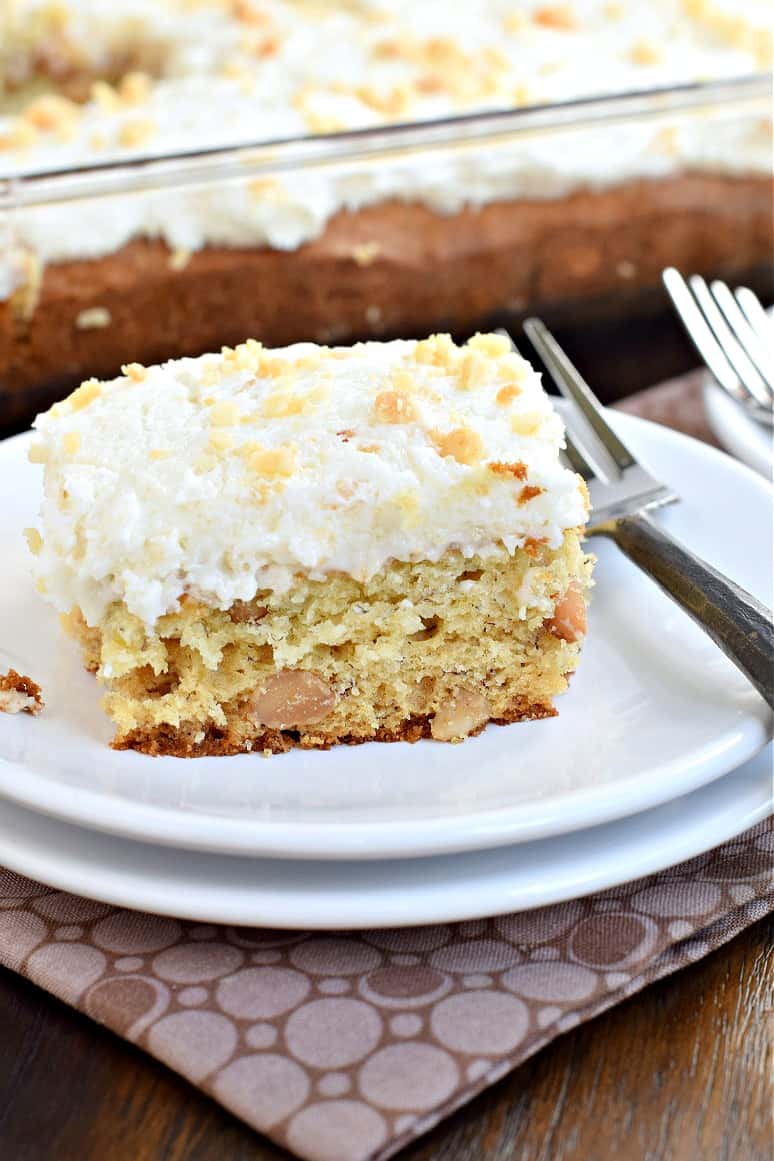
(342, 1047)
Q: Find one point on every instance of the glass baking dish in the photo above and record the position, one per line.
(456, 224)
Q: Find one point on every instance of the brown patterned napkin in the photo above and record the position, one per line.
(346, 1047)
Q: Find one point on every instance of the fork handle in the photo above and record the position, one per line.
(738, 623)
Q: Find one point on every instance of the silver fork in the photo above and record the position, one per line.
(623, 494)
(734, 336)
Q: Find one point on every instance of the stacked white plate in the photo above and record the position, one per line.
(659, 753)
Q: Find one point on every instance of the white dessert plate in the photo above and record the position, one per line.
(654, 712)
(282, 893)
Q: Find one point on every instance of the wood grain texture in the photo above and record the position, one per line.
(681, 1072)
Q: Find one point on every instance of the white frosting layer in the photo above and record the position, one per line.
(278, 69)
(219, 476)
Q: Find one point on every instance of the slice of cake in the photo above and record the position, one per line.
(315, 545)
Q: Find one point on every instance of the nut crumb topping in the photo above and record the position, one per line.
(51, 113)
(82, 396)
(105, 96)
(133, 133)
(249, 12)
(515, 21)
(492, 345)
(402, 380)
(507, 394)
(559, 16)
(263, 465)
(281, 404)
(134, 371)
(394, 407)
(135, 87)
(644, 52)
(277, 461)
(518, 469)
(20, 135)
(34, 540)
(527, 423)
(71, 443)
(38, 453)
(533, 545)
(274, 367)
(220, 440)
(462, 444)
(529, 492)
(223, 414)
(474, 370)
(437, 350)
(205, 463)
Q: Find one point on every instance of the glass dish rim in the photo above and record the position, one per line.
(219, 163)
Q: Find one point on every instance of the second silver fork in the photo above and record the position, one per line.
(733, 334)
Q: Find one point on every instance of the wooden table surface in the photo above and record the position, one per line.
(681, 1072)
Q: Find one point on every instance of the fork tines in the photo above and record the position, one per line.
(618, 484)
(732, 333)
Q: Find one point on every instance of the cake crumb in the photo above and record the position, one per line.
(366, 253)
(93, 318)
(24, 300)
(19, 694)
(179, 259)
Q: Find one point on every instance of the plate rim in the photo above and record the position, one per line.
(342, 840)
(442, 903)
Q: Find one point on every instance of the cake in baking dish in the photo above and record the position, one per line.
(315, 545)
(403, 244)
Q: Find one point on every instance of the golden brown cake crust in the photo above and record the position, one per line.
(423, 271)
(180, 743)
(13, 683)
